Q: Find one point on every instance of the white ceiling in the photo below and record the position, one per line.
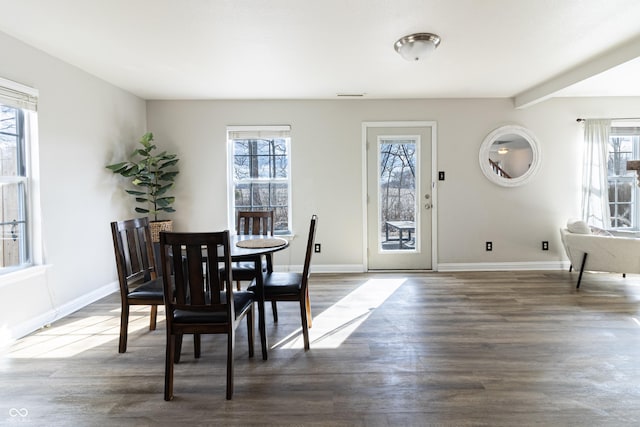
(304, 49)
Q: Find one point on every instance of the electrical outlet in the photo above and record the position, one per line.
(317, 248)
(545, 245)
(489, 246)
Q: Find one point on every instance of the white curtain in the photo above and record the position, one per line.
(595, 197)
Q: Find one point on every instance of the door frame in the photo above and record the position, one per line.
(434, 188)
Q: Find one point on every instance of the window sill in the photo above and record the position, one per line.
(625, 233)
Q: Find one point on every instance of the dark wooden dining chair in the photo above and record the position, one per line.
(139, 284)
(258, 223)
(200, 302)
(290, 286)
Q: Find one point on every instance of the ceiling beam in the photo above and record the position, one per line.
(623, 53)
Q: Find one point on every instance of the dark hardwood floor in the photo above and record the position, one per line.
(450, 349)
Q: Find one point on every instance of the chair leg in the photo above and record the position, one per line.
(177, 348)
(274, 309)
(230, 346)
(305, 325)
(168, 367)
(124, 324)
(584, 260)
(250, 329)
(196, 346)
(238, 287)
(153, 316)
(262, 329)
(307, 302)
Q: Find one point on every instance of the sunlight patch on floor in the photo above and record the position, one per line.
(72, 338)
(338, 322)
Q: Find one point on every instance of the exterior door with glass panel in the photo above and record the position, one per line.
(399, 198)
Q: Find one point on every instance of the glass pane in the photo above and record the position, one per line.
(9, 160)
(397, 194)
(281, 220)
(620, 215)
(279, 194)
(281, 164)
(12, 225)
(8, 120)
(241, 160)
(264, 167)
(624, 190)
(241, 148)
(263, 147)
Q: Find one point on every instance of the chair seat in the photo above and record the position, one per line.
(148, 290)
(242, 301)
(280, 283)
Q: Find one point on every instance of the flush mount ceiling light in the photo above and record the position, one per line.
(416, 47)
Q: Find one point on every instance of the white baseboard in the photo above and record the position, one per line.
(504, 266)
(324, 268)
(56, 313)
(85, 300)
(443, 267)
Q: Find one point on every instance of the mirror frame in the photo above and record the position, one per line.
(485, 148)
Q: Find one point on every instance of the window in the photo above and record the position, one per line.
(260, 173)
(624, 144)
(17, 111)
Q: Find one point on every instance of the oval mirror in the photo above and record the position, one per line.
(510, 156)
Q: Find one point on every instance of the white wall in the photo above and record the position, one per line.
(84, 123)
(327, 172)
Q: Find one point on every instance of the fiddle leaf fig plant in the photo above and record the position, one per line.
(152, 176)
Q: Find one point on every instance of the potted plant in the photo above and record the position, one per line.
(152, 175)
